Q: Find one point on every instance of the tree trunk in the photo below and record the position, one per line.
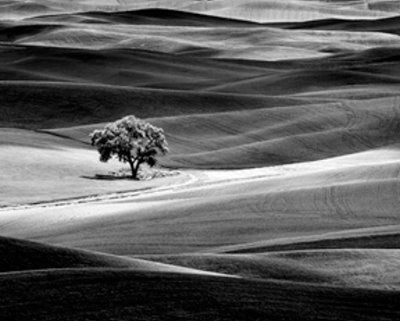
(134, 169)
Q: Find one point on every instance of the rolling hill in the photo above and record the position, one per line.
(273, 136)
(279, 198)
(352, 268)
(152, 296)
(214, 210)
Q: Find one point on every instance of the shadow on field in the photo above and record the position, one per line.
(109, 177)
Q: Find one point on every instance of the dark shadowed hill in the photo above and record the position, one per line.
(49, 87)
(36, 104)
(138, 68)
(124, 295)
(122, 67)
(9, 32)
(20, 255)
(273, 136)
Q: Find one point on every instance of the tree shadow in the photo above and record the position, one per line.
(109, 177)
(143, 175)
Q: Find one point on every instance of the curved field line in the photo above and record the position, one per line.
(101, 197)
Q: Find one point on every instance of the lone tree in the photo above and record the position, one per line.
(131, 140)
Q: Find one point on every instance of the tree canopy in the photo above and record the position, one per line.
(131, 140)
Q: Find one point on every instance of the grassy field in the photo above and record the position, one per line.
(279, 198)
(38, 167)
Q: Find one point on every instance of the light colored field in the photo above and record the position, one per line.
(274, 10)
(39, 167)
(301, 200)
(254, 10)
(256, 43)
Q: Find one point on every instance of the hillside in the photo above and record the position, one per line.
(19, 256)
(123, 294)
(278, 199)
